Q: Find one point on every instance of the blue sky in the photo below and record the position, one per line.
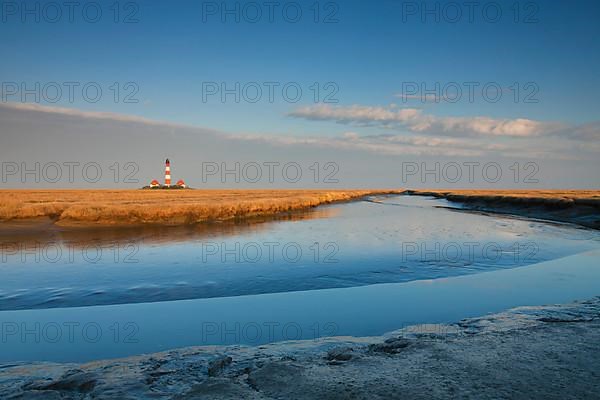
(368, 54)
(372, 49)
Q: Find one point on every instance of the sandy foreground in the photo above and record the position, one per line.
(550, 352)
(92, 208)
(581, 207)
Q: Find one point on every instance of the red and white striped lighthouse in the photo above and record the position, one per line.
(167, 173)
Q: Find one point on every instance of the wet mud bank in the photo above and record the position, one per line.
(577, 207)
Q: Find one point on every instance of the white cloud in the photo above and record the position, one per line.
(430, 135)
(356, 113)
(414, 120)
(387, 144)
(351, 135)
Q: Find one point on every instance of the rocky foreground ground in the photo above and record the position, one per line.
(548, 352)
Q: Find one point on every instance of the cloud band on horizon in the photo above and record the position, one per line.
(416, 121)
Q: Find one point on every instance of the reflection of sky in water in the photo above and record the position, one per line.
(122, 330)
(398, 240)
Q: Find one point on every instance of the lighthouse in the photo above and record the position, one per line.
(167, 173)
(156, 185)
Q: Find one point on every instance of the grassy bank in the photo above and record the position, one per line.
(580, 207)
(140, 207)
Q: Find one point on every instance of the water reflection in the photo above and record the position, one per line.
(384, 240)
(92, 333)
(43, 232)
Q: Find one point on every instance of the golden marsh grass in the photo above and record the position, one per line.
(167, 207)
